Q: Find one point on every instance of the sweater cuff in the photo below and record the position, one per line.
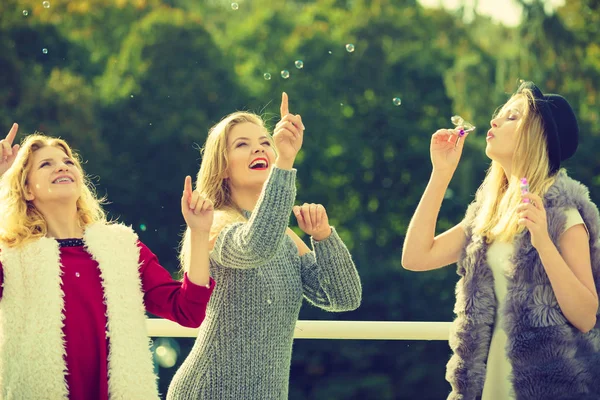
(283, 177)
(331, 244)
(196, 293)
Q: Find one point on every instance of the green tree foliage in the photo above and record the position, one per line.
(135, 86)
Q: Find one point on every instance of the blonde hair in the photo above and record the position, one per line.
(497, 218)
(211, 181)
(21, 221)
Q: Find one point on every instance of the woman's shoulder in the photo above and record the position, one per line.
(566, 192)
(223, 218)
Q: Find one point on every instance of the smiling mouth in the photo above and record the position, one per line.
(62, 180)
(259, 164)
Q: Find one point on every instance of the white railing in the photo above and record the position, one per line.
(365, 330)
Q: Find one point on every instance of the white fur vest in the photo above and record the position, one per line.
(551, 359)
(32, 347)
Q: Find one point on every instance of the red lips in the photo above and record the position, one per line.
(259, 163)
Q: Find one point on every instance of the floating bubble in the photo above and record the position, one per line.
(267, 76)
(349, 47)
(397, 101)
(143, 227)
(235, 6)
(299, 64)
(25, 12)
(131, 96)
(46, 4)
(285, 74)
(45, 50)
(330, 52)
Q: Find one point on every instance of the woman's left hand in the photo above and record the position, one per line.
(533, 215)
(313, 220)
(197, 210)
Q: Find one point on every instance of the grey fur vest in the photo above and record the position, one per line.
(551, 359)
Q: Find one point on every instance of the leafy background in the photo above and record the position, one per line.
(135, 85)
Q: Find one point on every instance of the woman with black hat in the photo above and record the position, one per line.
(527, 300)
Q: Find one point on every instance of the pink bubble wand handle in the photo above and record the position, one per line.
(524, 189)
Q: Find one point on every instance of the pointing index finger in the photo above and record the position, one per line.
(187, 187)
(12, 133)
(284, 109)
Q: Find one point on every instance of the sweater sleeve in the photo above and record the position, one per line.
(253, 243)
(329, 277)
(180, 301)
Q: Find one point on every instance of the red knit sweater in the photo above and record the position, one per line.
(85, 314)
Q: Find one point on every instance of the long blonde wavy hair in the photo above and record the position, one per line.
(211, 180)
(498, 196)
(21, 222)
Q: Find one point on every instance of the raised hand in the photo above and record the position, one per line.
(9, 152)
(313, 220)
(197, 211)
(288, 135)
(445, 151)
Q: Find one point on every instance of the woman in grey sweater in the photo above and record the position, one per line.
(262, 268)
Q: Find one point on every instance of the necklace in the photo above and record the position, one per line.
(70, 242)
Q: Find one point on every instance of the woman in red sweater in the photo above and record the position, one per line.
(74, 288)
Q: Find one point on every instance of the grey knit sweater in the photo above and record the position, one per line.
(244, 347)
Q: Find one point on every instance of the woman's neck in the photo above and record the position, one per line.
(245, 198)
(62, 223)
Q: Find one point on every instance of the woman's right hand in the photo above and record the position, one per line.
(444, 154)
(9, 152)
(288, 136)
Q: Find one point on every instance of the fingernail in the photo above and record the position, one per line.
(303, 128)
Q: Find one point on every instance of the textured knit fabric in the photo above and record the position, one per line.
(244, 347)
(84, 317)
(550, 358)
(498, 370)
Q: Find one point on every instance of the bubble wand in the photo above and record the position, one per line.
(466, 127)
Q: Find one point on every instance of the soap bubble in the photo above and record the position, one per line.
(143, 227)
(457, 120)
(397, 101)
(349, 47)
(235, 6)
(46, 4)
(45, 50)
(267, 76)
(299, 64)
(25, 13)
(285, 74)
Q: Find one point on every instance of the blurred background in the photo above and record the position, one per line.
(134, 85)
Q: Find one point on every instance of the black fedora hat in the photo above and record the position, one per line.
(560, 124)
